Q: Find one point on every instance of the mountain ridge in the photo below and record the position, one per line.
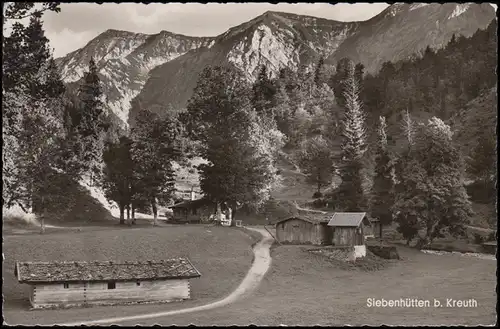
(136, 65)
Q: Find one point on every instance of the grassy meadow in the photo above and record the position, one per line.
(222, 255)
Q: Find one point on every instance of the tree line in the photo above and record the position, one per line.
(320, 116)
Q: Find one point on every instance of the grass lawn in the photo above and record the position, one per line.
(304, 289)
(222, 255)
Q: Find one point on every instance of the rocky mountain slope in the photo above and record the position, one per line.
(164, 67)
(403, 29)
(125, 59)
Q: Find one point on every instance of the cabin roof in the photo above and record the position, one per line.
(349, 219)
(314, 219)
(52, 272)
(189, 204)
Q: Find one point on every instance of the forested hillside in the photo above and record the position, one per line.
(357, 141)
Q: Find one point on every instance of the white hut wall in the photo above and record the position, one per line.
(59, 294)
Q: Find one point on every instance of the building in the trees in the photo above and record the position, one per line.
(350, 230)
(304, 229)
(66, 284)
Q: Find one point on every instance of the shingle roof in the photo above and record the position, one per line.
(191, 203)
(314, 219)
(352, 219)
(38, 272)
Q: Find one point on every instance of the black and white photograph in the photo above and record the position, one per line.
(237, 164)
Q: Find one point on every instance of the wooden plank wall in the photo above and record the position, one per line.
(186, 215)
(326, 234)
(98, 293)
(344, 236)
(302, 232)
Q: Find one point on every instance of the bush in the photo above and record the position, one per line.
(478, 238)
(317, 195)
(319, 203)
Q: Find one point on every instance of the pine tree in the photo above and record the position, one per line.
(382, 191)
(118, 173)
(359, 72)
(93, 121)
(338, 79)
(33, 94)
(320, 73)
(263, 91)
(282, 110)
(482, 162)
(353, 145)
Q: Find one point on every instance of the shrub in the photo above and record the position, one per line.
(478, 239)
(319, 203)
(317, 195)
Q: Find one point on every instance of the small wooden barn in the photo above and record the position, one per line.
(67, 284)
(372, 231)
(349, 228)
(304, 229)
(192, 211)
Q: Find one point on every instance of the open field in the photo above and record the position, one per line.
(222, 255)
(301, 288)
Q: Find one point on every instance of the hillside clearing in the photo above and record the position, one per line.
(222, 255)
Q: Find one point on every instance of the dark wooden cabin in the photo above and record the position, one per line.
(304, 229)
(69, 284)
(350, 228)
(192, 211)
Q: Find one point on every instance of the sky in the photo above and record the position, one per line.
(78, 23)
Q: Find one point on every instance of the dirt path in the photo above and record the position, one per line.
(260, 265)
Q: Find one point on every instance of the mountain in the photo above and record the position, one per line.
(403, 29)
(161, 70)
(124, 60)
(275, 39)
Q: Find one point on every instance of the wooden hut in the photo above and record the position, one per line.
(65, 284)
(192, 211)
(304, 229)
(372, 231)
(349, 230)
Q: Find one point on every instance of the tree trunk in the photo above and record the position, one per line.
(133, 214)
(422, 242)
(319, 186)
(155, 211)
(230, 210)
(380, 231)
(42, 217)
(218, 214)
(128, 214)
(122, 215)
(42, 224)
